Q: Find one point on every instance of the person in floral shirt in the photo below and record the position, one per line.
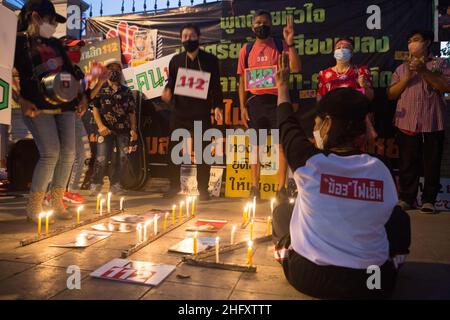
(347, 75)
(114, 114)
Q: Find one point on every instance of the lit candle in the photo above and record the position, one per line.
(233, 230)
(40, 222)
(121, 203)
(173, 213)
(254, 207)
(188, 200)
(272, 204)
(146, 224)
(193, 205)
(245, 215)
(269, 225)
(78, 213)
(217, 249)
(108, 204)
(251, 229)
(47, 218)
(155, 225)
(250, 254)
(195, 242)
(165, 221)
(101, 206)
(97, 208)
(291, 200)
(181, 210)
(139, 233)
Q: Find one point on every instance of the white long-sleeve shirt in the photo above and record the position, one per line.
(343, 203)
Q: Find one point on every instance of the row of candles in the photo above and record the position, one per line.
(249, 214)
(217, 247)
(98, 209)
(142, 228)
(101, 201)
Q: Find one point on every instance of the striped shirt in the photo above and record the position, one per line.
(421, 108)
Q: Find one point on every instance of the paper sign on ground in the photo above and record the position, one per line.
(139, 272)
(84, 239)
(204, 225)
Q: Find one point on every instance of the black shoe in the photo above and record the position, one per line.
(254, 193)
(282, 196)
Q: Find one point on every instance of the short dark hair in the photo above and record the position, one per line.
(427, 35)
(190, 26)
(262, 13)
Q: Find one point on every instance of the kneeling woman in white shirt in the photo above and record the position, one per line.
(344, 228)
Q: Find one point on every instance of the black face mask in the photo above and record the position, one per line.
(115, 76)
(262, 32)
(190, 45)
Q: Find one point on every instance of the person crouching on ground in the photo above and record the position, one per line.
(114, 114)
(345, 220)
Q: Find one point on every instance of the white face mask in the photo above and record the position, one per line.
(317, 136)
(47, 30)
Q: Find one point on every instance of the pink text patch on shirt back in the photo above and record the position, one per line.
(352, 188)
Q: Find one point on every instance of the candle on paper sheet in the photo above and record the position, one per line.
(146, 224)
(217, 249)
(233, 231)
(108, 204)
(101, 206)
(47, 218)
(121, 203)
(139, 233)
(269, 226)
(195, 243)
(97, 207)
(188, 200)
(40, 216)
(181, 210)
(78, 213)
(155, 225)
(173, 213)
(250, 254)
(251, 230)
(193, 205)
(245, 213)
(165, 221)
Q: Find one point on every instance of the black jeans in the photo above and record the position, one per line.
(416, 152)
(334, 282)
(203, 169)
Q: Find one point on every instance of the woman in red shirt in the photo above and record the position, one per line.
(347, 75)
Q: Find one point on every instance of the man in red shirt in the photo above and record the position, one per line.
(260, 107)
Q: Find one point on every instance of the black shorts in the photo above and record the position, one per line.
(262, 111)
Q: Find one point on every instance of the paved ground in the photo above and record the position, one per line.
(38, 271)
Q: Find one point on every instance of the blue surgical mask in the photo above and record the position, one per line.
(343, 54)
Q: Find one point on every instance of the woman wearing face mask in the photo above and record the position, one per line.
(52, 123)
(347, 75)
(114, 113)
(345, 219)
